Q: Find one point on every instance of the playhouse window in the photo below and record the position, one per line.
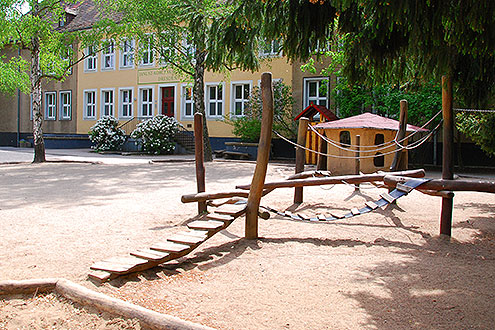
(379, 160)
(379, 139)
(345, 138)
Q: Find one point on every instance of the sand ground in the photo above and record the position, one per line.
(384, 270)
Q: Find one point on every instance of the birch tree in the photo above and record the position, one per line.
(35, 27)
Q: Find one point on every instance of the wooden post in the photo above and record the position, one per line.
(400, 159)
(448, 154)
(199, 158)
(300, 155)
(321, 164)
(357, 164)
(256, 190)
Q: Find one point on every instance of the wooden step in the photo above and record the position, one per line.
(119, 264)
(389, 198)
(185, 239)
(206, 225)
(195, 233)
(220, 217)
(234, 210)
(355, 211)
(170, 247)
(372, 205)
(99, 275)
(149, 254)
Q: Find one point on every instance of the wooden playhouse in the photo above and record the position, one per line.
(376, 133)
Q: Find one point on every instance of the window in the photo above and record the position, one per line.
(188, 46)
(146, 102)
(379, 159)
(147, 55)
(50, 105)
(67, 58)
(187, 101)
(240, 93)
(126, 103)
(316, 92)
(379, 139)
(108, 56)
(107, 102)
(89, 104)
(270, 48)
(65, 105)
(214, 100)
(345, 138)
(127, 54)
(90, 62)
(167, 50)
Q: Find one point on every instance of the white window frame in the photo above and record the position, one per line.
(63, 106)
(91, 59)
(160, 97)
(216, 101)
(130, 102)
(50, 108)
(148, 50)
(94, 104)
(307, 98)
(243, 100)
(184, 102)
(149, 102)
(273, 52)
(103, 104)
(125, 52)
(188, 47)
(111, 55)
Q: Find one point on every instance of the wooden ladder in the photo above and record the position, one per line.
(174, 247)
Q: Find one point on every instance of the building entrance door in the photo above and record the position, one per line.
(168, 94)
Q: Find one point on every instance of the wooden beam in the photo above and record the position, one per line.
(448, 185)
(199, 158)
(336, 180)
(400, 158)
(300, 155)
(357, 161)
(256, 190)
(448, 154)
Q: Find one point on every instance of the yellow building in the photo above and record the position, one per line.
(112, 83)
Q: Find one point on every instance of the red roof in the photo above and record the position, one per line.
(313, 109)
(367, 120)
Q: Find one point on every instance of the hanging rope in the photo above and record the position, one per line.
(475, 110)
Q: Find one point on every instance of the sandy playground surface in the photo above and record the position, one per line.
(384, 270)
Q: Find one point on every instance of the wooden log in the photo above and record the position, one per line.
(209, 196)
(256, 191)
(357, 162)
(300, 155)
(448, 154)
(147, 318)
(27, 286)
(447, 185)
(309, 174)
(199, 158)
(400, 158)
(440, 193)
(336, 180)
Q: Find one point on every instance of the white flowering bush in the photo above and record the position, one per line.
(105, 135)
(157, 134)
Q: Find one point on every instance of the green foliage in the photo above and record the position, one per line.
(13, 75)
(106, 135)
(424, 101)
(157, 134)
(480, 127)
(248, 127)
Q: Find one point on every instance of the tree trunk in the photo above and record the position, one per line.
(199, 100)
(38, 142)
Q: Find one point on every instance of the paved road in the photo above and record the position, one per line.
(11, 154)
